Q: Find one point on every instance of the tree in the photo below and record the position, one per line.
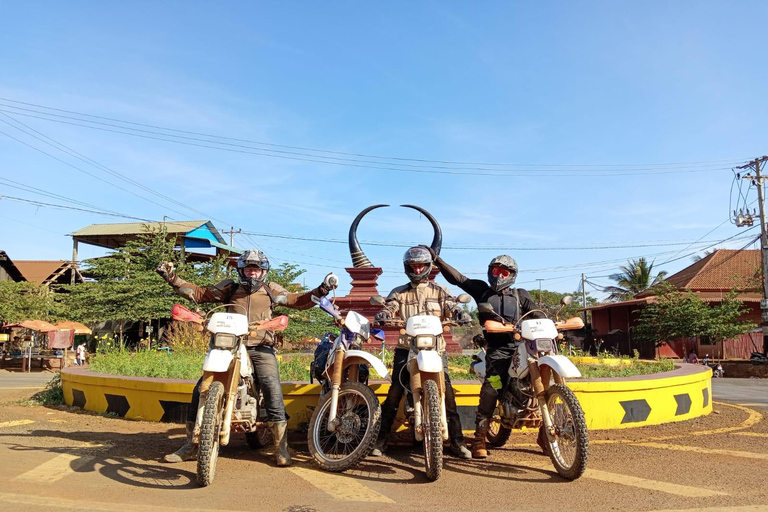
(676, 314)
(24, 301)
(634, 278)
(550, 303)
(305, 324)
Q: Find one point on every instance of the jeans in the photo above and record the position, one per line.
(266, 374)
(396, 391)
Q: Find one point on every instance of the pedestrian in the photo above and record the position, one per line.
(80, 354)
(692, 357)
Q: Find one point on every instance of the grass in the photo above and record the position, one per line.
(187, 364)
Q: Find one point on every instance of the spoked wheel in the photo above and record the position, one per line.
(498, 434)
(433, 436)
(359, 413)
(570, 448)
(208, 451)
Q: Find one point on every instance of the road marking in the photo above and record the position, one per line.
(708, 451)
(54, 469)
(94, 506)
(753, 434)
(654, 485)
(15, 423)
(339, 487)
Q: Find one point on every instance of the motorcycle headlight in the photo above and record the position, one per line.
(425, 341)
(543, 345)
(224, 341)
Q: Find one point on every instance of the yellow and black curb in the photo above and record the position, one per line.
(681, 394)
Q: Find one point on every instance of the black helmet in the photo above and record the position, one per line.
(417, 255)
(499, 282)
(252, 258)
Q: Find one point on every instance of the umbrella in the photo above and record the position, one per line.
(77, 326)
(35, 325)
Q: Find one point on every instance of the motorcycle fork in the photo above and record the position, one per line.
(205, 384)
(336, 377)
(540, 377)
(413, 370)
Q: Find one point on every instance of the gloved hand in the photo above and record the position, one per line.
(462, 317)
(165, 269)
(331, 282)
(382, 316)
(431, 251)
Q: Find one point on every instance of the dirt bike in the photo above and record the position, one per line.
(345, 424)
(530, 399)
(427, 418)
(230, 399)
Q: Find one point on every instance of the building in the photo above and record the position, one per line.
(711, 278)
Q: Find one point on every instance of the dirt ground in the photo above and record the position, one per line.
(66, 459)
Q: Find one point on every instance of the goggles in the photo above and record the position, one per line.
(500, 272)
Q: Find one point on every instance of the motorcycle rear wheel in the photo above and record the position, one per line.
(259, 438)
(498, 434)
(354, 438)
(433, 436)
(208, 450)
(570, 449)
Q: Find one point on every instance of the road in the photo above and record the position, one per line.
(57, 459)
(750, 392)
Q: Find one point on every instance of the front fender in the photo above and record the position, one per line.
(217, 360)
(374, 361)
(429, 361)
(562, 365)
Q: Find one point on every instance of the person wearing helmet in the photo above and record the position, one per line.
(419, 297)
(256, 296)
(509, 303)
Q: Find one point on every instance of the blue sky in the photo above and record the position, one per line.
(572, 135)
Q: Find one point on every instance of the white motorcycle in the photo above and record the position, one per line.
(229, 398)
(428, 418)
(345, 424)
(536, 401)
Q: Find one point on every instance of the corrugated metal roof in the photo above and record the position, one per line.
(128, 228)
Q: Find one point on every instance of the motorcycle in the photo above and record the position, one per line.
(534, 401)
(230, 399)
(427, 417)
(717, 368)
(345, 424)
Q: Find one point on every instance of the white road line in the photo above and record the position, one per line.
(654, 485)
(54, 469)
(708, 451)
(15, 423)
(94, 506)
(340, 487)
(729, 508)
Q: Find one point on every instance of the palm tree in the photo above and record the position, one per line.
(634, 278)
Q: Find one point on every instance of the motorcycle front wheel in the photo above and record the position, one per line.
(208, 450)
(359, 413)
(570, 448)
(498, 434)
(433, 436)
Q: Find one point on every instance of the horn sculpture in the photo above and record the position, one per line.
(437, 240)
(359, 259)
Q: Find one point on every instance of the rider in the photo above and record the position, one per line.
(257, 296)
(420, 296)
(509, 303)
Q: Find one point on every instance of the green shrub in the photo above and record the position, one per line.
(53, 394)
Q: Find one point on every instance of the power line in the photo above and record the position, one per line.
(63, 207)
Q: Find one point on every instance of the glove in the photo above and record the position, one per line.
(432, 252)
(382, 316)
(165, 269)
(331, 282)
(462, 317)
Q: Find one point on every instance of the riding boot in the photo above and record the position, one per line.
(478, 444)
(279, 432)
(188, 451)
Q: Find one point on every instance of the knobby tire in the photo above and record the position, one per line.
(208, 450)
(570, 450)
(433, 436)
(498, 434)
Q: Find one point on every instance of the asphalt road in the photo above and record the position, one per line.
(58, 459)
(22, 380)
(751, 392)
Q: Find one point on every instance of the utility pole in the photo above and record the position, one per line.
(232, 234)
(584, 296)
(743, 219)
(539, 280)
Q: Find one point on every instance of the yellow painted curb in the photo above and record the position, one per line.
(677, 395)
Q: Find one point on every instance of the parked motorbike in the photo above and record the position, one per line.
(758, 358)
(427, 418)
(230, 399)
(535, 401)
(345, 424)
(717, 368)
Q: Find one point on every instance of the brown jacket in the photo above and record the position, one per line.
(427, 298)
(257, 306)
